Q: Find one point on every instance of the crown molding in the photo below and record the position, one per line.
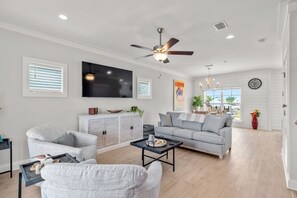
(36, 34)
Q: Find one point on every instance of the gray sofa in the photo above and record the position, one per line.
(213, 136)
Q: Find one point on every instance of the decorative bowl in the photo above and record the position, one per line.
(115, 111)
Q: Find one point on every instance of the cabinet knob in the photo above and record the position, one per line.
(131, 127)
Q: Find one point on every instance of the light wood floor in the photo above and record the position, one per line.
(252, 169)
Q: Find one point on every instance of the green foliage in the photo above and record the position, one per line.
(230, 99)
(208, 100)
(197, 101)
(136, 109)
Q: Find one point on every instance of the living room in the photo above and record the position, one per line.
(249, 57)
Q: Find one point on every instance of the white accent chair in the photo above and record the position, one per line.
(41, 140)
(94, 180)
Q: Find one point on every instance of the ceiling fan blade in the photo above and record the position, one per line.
(141, 47)
(170, 43)
(144, 56)
(166, 60)
(180, 52)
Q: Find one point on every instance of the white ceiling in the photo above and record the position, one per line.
(113, 25)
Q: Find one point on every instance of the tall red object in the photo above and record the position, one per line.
(255, 123)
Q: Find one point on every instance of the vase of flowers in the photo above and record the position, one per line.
(255, 114)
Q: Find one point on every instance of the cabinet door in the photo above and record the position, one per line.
(137, 132)
(96, 127)
(126, 132)
(112, 131)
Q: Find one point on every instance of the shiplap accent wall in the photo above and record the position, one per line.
(251, 99)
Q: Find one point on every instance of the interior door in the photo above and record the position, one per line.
(285, 124)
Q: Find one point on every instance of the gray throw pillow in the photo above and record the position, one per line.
(214, 123)
(165, 120)
(67, 140)
(174, 119)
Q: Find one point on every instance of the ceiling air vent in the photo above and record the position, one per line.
(220, 25)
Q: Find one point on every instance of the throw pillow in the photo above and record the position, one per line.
(214, 123)
(67, 140)
(165, 120)
(174, 119)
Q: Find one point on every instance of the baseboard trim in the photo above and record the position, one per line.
(103, 150)
(291, 184)
(15, 165)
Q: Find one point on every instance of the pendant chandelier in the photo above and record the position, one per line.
(210, 82)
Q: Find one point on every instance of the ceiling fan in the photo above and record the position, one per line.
(161, 52)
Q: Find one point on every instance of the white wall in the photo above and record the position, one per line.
(21, 113)
(293, 98)
(252, 99)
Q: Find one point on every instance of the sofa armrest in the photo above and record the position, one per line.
(37, 147)
(227, 133)
(84, 139)
(151, 187)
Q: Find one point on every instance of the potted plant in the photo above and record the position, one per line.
(197, 102)
(255, 114)
(136, 109)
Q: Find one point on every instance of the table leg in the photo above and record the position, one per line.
(142, 156)
(173, 159)
(10, 159)
(20, 185)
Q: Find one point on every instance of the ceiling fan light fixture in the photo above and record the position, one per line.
(160, 56)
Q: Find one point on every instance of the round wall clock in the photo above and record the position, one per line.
(255, 83)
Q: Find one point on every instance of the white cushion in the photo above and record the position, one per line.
(46, 132)
(94, 176)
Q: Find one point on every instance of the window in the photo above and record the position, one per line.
(228, 100)
(43, 78)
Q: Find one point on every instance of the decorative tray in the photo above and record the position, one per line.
(115, 111)
(156, 143)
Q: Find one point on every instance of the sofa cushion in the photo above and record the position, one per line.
(174, 118)
(67, 140)
(213, 123)
(94, 177)
(183, 133)
(165, 120)
(208, 137)
(164, 130)
(197, 126)
(45, 132)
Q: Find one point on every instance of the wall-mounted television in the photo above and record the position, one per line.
(105, 81)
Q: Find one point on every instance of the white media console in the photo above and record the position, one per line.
(114, 130)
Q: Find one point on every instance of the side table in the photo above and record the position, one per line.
(30, 177)
(7, 144)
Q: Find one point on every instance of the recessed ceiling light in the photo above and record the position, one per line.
(63, 17)
(231, 36)
(108, 72)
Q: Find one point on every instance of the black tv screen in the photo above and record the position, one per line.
(105, 81)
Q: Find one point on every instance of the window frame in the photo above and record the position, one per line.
(222, 98)
(43, 93)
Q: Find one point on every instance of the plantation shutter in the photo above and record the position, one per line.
(45, 78)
